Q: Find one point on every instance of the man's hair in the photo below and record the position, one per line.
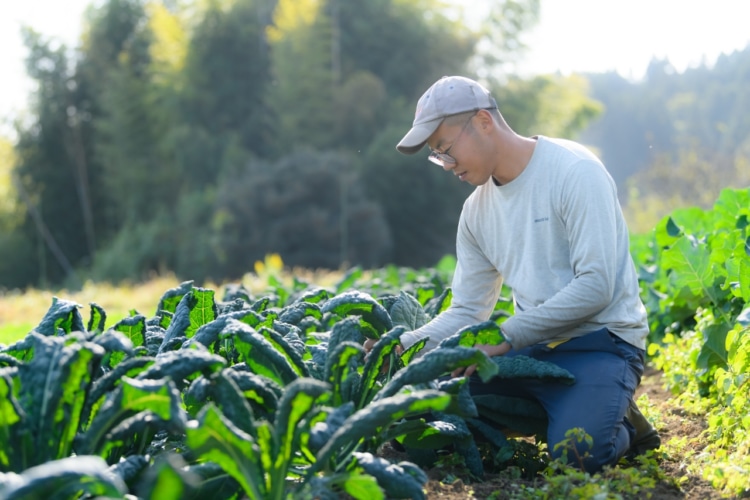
(461, 118)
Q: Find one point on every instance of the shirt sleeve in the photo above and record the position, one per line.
(476, 287)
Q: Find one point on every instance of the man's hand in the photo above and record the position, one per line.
(368, 345)
(489, 350)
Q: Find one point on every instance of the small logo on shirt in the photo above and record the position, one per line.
(542, 219)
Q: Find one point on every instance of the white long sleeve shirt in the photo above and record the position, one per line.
(557, 237)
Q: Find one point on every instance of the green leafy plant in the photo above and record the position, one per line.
(700, 271)
(695, 277)
(565, 477)
(68, 477)
(43, 398)
(273, 396)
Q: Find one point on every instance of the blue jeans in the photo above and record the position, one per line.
(607, 371)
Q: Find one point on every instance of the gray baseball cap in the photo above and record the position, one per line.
(451, 95)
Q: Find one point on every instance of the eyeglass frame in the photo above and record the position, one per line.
(444, 158)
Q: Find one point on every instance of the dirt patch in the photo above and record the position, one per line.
(675, 423)
(453, 484)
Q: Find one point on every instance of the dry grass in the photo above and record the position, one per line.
(21, 311)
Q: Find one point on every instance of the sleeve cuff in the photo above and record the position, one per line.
(408, 339)
(507, 338)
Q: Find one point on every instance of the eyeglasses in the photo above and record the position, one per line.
(443, 159)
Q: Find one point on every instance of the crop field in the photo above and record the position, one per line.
(261, 389)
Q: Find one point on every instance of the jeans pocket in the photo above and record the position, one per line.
(632, 354)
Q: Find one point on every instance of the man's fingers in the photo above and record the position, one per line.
(465, 371)
(368, 345)
(386, 365)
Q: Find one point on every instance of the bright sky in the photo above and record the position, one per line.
(624, 35)
(573, 36)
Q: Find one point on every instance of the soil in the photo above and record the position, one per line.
(446, 484)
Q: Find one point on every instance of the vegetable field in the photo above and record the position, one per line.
(228, 392)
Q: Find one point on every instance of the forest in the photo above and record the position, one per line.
(197, 137)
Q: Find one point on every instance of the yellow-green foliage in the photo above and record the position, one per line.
(691, 180)
(9, 206)
(725, 461)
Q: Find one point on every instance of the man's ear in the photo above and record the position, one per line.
(484, 120)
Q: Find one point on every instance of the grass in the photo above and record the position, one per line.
(20, 312)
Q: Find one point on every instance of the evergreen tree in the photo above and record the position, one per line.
(223, 105)
(303, 78)
(137, 117)
(52, 183)
(554, 106)
(112, 40)
(15, 245)
(309, 207)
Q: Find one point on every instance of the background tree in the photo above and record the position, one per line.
(138, 113)
(501, 45)
(423, 201)
(223, 106)
(191, 108)
(113, 41)
(170, 110)
(673, 138)
(656, 191)
(11, 211)
(303, 85)
(668, 113)
(554, 106)
(46, 165)
(309, 196)
(15, 245)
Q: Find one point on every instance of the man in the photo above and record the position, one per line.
(545, 220)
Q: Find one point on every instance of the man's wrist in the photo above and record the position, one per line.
(503, 348)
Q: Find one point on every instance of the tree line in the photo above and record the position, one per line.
(674, 139)
(196, 137)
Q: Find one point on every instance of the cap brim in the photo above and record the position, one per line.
(415, 139)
